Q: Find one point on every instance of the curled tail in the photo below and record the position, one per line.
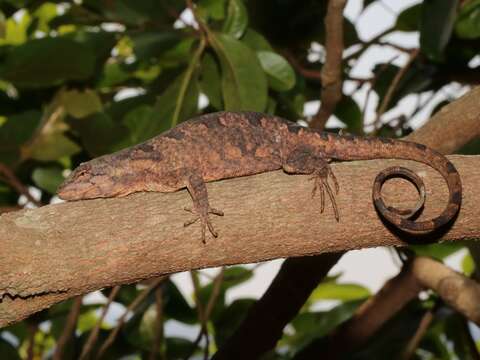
(358, 148)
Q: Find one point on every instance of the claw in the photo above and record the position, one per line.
(334, 179)
(322, 200)
(205, 221)
(190, 222)
(215, 212)
(321, 184)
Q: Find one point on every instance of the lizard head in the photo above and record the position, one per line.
(92, 179)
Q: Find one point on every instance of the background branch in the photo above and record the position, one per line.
(331, 73)
(453, 126)
(458, 291)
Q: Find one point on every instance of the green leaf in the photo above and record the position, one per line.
(244, 83)
(178, 348)
(256, 41)
(113, 74)
(100, 134)
(349, 112)
(151, 44)
(79, 103)
(48, 179)
(229, 319)
(335, 291)
(17, 130)
(138, 121)
(47, 62)
(139, 13)
(409, 19)
(436, 251)
(140, 329)
(16, 30)
(8, 351)
(237, 19)
(437, 21)
(214, 9)
(311, 325)
(210, 81)
(271, 106)
(468, 265)
(281, 76)
(118, 109)
(44, 13)
(52, 146)
(87, 321)
(77, 15)
(99, 43)
(176, 307)
(468, 20)
(177, 103)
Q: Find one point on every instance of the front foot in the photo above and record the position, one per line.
(321, 185)
(204, 218)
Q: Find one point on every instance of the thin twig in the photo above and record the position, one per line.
(137, 301)
(69, 329)
(417, 337)
(156, 351)
(205, 313)
(8, 176)
(301, 69)
(366, 44)
(396, 47)
(331, 73)
(92, 338)
(393, 87)
(383, 67)
(32, 331)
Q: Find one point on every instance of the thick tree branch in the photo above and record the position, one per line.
(453, 126)
(59, 251)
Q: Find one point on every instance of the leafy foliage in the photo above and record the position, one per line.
(79, 79)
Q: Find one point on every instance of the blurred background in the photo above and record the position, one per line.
(79, 79)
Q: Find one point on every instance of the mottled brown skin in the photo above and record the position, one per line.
(231, 144)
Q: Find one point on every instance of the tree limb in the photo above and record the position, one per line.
(59, 251)
(453, 126)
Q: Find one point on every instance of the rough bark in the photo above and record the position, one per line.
(60, 251)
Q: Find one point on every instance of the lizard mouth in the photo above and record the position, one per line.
(79, 185)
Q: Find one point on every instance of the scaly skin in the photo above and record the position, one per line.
(232, 144)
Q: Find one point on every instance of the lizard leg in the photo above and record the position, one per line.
(201, 207)
(301, 161)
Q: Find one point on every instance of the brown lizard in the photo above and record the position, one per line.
(232, 144)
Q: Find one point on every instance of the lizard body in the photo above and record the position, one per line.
(232, 144)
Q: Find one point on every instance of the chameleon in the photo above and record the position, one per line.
(226, 145)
